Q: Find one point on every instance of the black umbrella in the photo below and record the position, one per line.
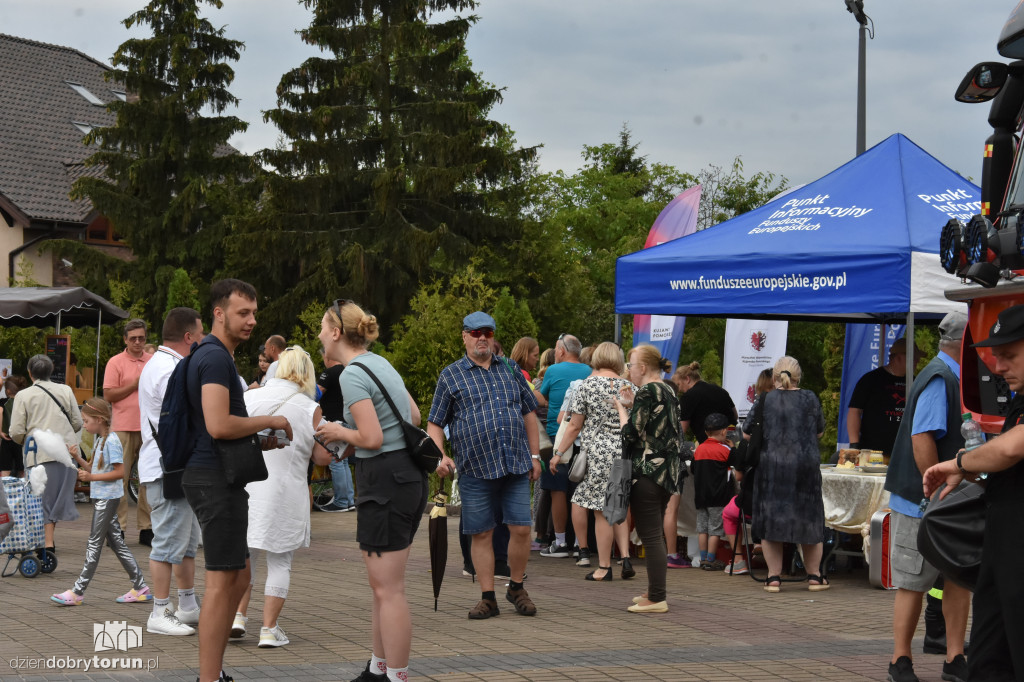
(438, 532)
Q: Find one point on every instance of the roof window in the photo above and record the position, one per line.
(121, 95)
(86, 128)
(84, 92)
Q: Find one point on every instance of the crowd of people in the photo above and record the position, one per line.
(532, 438)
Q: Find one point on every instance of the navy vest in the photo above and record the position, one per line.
(904, 478)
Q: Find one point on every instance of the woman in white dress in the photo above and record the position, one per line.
(279, 506)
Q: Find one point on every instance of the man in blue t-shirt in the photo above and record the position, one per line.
(929, 433)
(567, 368)
(217, 412)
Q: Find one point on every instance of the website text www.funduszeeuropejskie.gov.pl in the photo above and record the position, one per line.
(781, 283)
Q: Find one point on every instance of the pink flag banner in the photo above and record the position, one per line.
(665, 332)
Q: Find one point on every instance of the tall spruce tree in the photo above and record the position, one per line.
(168, 176)
(389, 166)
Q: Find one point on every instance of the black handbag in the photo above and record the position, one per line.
(242, 459)
(752, 454)
(952, 533)
(421, 446)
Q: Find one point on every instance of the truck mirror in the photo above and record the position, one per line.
(982, 83)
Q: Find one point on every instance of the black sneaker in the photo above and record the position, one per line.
(902, 670)
(584, 559)
(367, 676)
(955, 670)
(502, 571)
(146, 537)
(556, 550)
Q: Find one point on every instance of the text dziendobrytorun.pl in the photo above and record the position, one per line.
(85, 664)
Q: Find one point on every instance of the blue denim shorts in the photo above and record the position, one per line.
(175, 527)
(481, 499)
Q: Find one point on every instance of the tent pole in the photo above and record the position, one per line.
(881, 349)
(57, 331)
(909, 336)
(618, 329)
(96, 371)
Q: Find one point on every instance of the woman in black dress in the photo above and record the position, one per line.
(787, 485)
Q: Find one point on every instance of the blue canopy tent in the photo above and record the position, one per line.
(860, 244)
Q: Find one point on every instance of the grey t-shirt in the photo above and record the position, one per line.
(357, 386)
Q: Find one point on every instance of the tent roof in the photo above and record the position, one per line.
(859, 244)
(39, 307)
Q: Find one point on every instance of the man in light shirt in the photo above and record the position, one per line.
(175, 528)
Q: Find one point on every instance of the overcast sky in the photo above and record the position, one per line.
(697, 82)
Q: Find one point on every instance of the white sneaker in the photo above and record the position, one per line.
(271, 637)
(166, 624)
(190, 617)
(238, 627)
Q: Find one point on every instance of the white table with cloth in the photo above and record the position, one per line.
(851, 497)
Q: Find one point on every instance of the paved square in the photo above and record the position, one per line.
(718, 628)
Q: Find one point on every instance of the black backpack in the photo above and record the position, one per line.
(174, 434)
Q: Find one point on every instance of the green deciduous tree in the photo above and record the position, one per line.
(390, 170)
(726, 194)
(167, 175)
(585, 221)
(429, 337)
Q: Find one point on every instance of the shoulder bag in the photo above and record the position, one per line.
(952, 533)
(578, 465)
(54, 399)
(421, 446)
(243, 458)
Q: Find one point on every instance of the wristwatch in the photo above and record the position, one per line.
(980, 476)
(556, 453)
(959, 463)
(535, 456)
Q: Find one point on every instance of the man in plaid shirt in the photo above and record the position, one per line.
(488, 409)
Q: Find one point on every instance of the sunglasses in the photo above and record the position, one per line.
(336, 310)
(477, 333)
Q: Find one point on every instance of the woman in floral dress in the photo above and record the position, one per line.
(592, 414)
(650, 438)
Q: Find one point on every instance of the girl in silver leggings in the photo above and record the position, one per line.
(105, 489)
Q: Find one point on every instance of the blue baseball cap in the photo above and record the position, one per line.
(478, 320)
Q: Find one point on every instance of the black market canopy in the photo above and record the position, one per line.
(57, 306)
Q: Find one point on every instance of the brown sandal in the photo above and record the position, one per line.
(524, 605)
(485, 608)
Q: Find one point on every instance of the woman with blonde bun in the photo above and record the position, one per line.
(392, 488)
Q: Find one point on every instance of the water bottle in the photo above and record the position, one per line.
(971, 431)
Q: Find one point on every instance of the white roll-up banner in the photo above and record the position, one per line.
(750, 346)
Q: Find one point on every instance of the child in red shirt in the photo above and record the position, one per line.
(713, 487)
